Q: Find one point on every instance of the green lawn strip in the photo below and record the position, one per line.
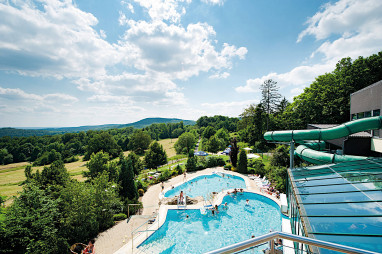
(12, 169)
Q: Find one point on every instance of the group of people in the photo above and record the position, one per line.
(79, 248)
(272, 191)
(235, 191)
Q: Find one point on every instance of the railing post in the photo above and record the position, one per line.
(291, 158)
(272, 246)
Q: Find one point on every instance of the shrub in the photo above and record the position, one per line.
(141, 192)
(242, 163)
(179, 169)
(227, 167)
(257, 167)
(119, 216)
(164, 176)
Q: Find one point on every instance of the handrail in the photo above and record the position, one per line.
(296, 238)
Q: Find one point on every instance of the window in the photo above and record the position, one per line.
(360, 115)
(353, 116)
(376, 112)
(376, 133)
(368, 114)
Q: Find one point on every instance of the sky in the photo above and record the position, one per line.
(89, 62)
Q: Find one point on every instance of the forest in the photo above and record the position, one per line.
(54, 211)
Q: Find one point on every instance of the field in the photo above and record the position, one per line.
(168, 146)
(12, 175)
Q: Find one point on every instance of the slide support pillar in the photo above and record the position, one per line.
(291, 153)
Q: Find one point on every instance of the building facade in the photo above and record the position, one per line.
(367, 102)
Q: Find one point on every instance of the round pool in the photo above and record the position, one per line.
(200, 233)
(206, 184)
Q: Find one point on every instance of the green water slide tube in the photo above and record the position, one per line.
(310, 151)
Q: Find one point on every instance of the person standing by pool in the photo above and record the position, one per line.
(181, 198)
(184, 176)
(162, 185)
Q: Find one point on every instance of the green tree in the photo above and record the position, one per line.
(208, 132)
(155, 156)
(139, 141)
(234, 151)
(214, 144)
(242, 163)
(223, 135)
(79, 222)
(102, 142)
(136, 162)
(3, 154)
(280, 156)
(191, 162)
(270, 97)
(31, 223)
(185, 143)
(126, 179)
(106, 200)
(98, 164)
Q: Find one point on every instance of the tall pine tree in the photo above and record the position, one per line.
(242, 163)
(126, 179)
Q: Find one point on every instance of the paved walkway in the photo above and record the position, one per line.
(116, 237)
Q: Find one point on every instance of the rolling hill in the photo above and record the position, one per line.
(26, 132)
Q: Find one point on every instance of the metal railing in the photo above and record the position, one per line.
(237, 247)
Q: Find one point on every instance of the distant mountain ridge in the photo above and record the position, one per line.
(18, 132)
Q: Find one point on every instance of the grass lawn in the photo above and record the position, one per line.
(12, 175)
(168, 146)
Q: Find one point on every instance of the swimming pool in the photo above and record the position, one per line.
(200, 233)
(205, 184)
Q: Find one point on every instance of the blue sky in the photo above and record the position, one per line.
(72, 63)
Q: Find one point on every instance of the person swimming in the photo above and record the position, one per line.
(247, 202)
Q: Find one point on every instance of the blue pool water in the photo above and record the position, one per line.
(200, 233)
(204, 185)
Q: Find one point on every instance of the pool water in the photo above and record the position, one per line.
(201, 233)
(206, 184)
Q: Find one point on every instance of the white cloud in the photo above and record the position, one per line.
(219, 75)
(60, 97)
(231, 108)
(110, 98)
(57, 40)
(18, 94)
(177, 51)
(359, 25)
(214, 2)
(170, 10)
(344, 17)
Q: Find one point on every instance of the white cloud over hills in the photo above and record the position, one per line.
(348, 28)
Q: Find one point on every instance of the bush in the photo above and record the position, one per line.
(227, 167)
(141, 185)
(164, 176)
(242, 163)
(257, 167)
(73, 158)
(141, 192)
(179, 169)
(119, 216)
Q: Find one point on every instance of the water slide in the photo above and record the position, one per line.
(312, 151)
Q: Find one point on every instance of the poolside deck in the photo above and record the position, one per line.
(118, 238)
